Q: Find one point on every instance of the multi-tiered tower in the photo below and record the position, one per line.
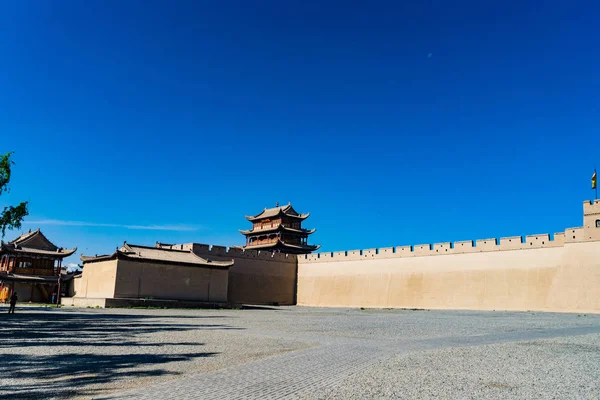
(279, 229)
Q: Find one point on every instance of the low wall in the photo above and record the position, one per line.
(127, 303)
(535, 274)
(83, 302)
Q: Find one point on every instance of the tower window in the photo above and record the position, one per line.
(598, 223)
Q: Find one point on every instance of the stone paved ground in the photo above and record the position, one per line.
(298, 353)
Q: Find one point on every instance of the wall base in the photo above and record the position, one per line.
(83, 302)
(131, 302)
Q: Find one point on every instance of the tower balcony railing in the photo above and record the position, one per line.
(35, 271)
(266, 225)
(271, 225)
(263, 241)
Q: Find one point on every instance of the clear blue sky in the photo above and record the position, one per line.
(392, 123)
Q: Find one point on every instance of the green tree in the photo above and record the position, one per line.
(11, 217)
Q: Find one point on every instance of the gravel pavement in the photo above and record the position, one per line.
(296, 352)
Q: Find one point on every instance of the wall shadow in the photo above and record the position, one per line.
(60, 354)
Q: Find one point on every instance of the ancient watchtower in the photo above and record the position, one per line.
(279, 229)
(591, 219)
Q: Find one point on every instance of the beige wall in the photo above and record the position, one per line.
(98, 280)
(257, 277)
(550, 279)
(77, 284)
(137, 279)
(535, 272)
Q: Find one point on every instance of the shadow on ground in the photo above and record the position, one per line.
(84, 363)
(264, 308)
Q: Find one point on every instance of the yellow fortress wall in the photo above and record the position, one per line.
(513, 273)
(256, 277)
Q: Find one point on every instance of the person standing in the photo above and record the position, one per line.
(13, 303)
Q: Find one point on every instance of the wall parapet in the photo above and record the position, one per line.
(207, 250)
(538, 241)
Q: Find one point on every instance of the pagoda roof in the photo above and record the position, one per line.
(158, 255)
(36, 243)
(278, 228)
(38, 279)
(283, 245)
(288, 211)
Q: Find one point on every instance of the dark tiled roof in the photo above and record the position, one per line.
(161, 255)
(4, 276)
(26, 236)
(58, 253)
(35, 242)
(273, 212)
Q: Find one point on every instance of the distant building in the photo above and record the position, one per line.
(279, 229)
(31, 265)
(136, 273)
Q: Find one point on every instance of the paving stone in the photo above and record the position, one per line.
(298, 353)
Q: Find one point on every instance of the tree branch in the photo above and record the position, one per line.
(11, 217)
(5, 163)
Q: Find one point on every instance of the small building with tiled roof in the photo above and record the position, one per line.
(135, 272)
(31, 266)
(279, 229)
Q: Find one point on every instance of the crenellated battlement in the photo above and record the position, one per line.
(207, 250)
(591, 207)
(590, 231)
(447, 248)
